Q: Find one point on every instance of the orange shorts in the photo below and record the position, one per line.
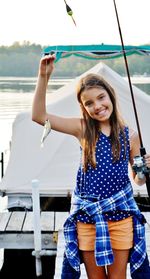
(121, 235)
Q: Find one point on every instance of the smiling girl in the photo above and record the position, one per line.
(101, 227)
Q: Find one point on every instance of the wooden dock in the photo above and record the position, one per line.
(16, 229)
(16, 232)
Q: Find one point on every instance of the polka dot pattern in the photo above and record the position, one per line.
(107, 178)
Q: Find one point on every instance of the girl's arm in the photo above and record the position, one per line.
(70, 126)
(135, 151)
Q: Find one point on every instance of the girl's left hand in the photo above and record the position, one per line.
(47, 65)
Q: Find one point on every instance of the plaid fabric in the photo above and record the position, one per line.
(139, 250)
(122, 201)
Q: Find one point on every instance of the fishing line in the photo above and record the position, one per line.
(142, 149)
(47, 124)
(128, 75)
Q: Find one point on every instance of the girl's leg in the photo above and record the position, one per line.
(93, 271)
(118, 269)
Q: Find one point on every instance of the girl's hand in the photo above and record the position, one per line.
(46, 65)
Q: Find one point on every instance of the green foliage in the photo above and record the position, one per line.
(20, 60)
(23, 60)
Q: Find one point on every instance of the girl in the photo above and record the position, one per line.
(104, 216)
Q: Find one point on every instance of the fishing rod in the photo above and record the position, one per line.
(142, 148)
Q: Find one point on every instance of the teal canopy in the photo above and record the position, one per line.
(95, 52)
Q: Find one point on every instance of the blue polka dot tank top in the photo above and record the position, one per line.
(107, 178)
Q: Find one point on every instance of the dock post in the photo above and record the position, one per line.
(37, 226)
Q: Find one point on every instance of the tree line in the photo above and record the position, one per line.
(22, 60)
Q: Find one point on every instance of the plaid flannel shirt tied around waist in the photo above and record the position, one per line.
(122, 201)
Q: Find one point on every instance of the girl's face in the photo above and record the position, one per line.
(97, 103)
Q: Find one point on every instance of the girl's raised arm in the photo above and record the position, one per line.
(70, 126)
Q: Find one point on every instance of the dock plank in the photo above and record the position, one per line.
(47, 221)
(28, 222)
(23, 221)
(16, 221)
(60, 219)
(4, 218)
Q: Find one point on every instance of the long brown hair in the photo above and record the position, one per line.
(91, 130)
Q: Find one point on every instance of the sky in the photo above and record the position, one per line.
(46, 22)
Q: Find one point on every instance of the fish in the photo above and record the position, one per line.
(46, 131)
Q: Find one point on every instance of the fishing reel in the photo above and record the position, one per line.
(140, 167)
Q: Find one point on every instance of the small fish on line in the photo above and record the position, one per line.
(46, 131)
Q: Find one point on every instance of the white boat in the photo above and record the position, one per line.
(60, 154)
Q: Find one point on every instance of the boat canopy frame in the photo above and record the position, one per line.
(96, 52)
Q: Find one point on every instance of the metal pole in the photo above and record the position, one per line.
(37, 226)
